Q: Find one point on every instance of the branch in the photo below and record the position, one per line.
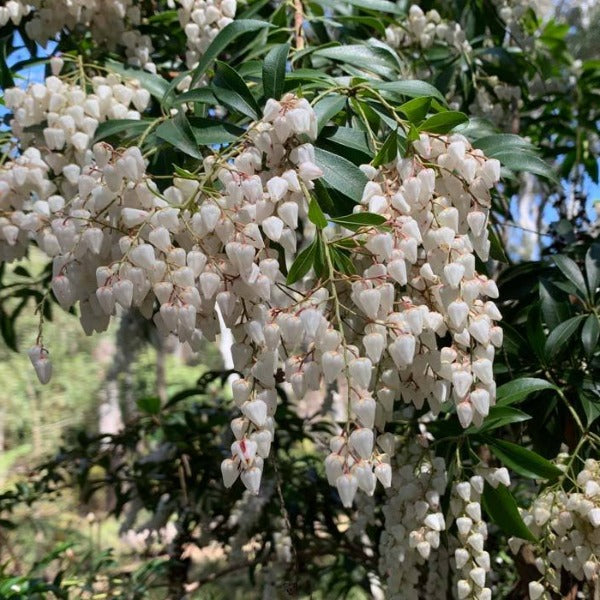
(298, 22)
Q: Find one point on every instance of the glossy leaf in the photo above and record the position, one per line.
(523, 461)
(518, 161)
(592, 267)
(443, 122)
(374, 5)
(327, 108)
(389, 151)
(590, 333)
(416, 109)
(231, 90)
(373, 59)
(572, 272)
(178, 132)
(496, 247)
(356, 221)
(349, 142)
(127, 127)
(274, 71)
(500, 416)
(202, 95)
(502, 509)
(225, 37)
(209, 132)
(554, 306)
(342, 261)
(409, 88)
(341, 174)
(559, 336)
(502, 142)
(303, 263)
(590, 402)
(315, 214)
(517, 390)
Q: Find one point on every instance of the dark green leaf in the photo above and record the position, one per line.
(303, 263)
(341, 174)
(356, 221)
(327, 108)
(150, 405)
(496, 247)
(6, 77)
(320, 261)
(590, 402)
(523, 461)
(341, 261)
(554, 304)
(274, 71)
(502, 509)
(590, 334)
(179, 133)
(592, 267)
(315, 214)
(323, 198)
(518, 389)
(416, 109)
(388, 152)
(202, 95)
(374, 5)
(227, 35)
(572, 272)
(559, 336)
(443, 122)
(231, 90)
(500, 416)
(410, 88)
(208, 132)
(525, 161)
(536, 336)
(128, 127)
(502, 142)
(374, 59)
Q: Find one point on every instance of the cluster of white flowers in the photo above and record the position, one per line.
(424, 30)
(567, 526)
(471, 559)
(13, 10)
(419, 31)
(118, 241)
(112, 23)
(413, 520)
(57, 120)
(423, 282)
(69, 115)
(149, 540)
(202, 20)
(21, 180)
(206, 245)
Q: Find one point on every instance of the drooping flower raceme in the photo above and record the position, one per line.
(410, 320)
(112, 23)
(567, 525)
(201, 21)
(198, 245)
(56, 154)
